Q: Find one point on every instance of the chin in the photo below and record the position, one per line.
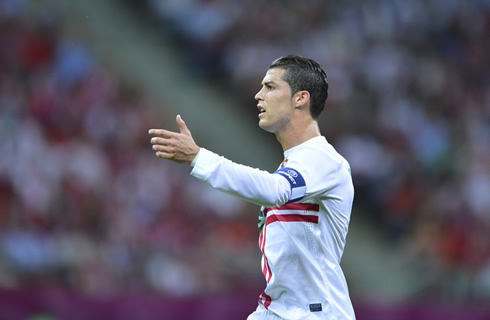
(263, 125)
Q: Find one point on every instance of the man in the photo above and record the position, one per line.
(306, 203)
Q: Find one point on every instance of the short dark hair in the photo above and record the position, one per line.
(305, 74)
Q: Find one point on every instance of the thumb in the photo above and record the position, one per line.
(182, 125)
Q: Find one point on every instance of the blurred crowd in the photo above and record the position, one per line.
(84, 203)
(409, 107)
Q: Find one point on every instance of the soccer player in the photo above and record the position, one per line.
(306, 203)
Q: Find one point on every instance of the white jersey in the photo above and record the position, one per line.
(303, 222)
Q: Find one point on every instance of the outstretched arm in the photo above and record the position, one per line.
(254, 185)
(176, 146)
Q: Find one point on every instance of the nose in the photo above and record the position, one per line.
(258, 95)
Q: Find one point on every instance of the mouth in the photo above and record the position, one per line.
(261, 110)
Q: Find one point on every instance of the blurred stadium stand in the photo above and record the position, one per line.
(91, 221)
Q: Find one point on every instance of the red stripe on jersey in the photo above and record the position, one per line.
(266, 268)
(291, 218)
(296, 206)
(265, 299)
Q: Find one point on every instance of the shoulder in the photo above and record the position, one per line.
(321, 166)
(316, 152)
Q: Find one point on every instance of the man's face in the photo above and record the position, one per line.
(274, 101)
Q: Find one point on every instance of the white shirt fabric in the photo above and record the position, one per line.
(303, 222)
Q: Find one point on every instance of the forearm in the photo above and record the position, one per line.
(254, 185)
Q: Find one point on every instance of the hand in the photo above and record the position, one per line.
(178, 147)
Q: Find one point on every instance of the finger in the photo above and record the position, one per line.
(182, 125)
(167, 153)
(163, 155)
(163, 148)
(167, 149)
(160, 141)
(167, 156)
(161, 133)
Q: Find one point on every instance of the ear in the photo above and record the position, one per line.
(301, 98)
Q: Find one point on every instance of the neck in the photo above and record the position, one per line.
(298, 133)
